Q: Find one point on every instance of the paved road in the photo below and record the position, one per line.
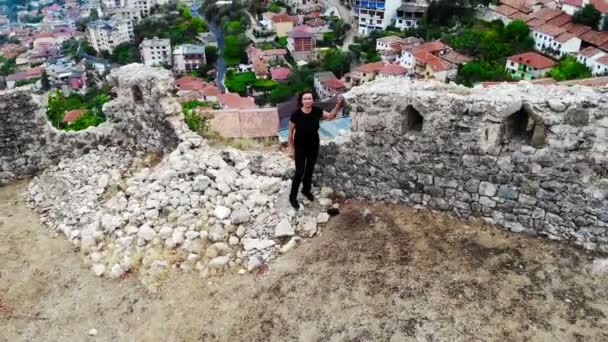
(220, 67)
(345, 15)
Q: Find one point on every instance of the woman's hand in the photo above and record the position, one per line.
(292, 153)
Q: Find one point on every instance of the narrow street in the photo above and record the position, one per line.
(220, 67)
(345, 15)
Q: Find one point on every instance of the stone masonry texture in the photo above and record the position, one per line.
(528, 158)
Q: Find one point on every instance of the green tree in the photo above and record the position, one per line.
(281, 93)
(337, 62)
(234, 49)
(56, 108)
(234, 27)
(211, 54)
(569, 68)
(125, 53)
(7, 66)
(588, 15)
(238, 82)
(479, 71)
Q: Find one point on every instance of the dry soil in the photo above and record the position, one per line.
(396, 275)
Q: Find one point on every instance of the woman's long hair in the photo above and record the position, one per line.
(302, 96)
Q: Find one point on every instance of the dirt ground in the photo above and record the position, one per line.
(395, 275)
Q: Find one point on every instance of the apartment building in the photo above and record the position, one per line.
(107, 34)
(370, 15)
(410, 14)
(188, 57)
(155, 52)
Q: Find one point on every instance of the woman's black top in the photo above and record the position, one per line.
(307, 126)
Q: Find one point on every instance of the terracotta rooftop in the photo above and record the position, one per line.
(507, 10)
(534, 23)
(595, 37)
(393, 70)
(283, 18)
(602, 60)
(590, 51)
(433, 46)
(456, 58)
(546, 13)
(533, 59)
(316, 22)
(576, 29)
(575, 3)
(370, 67)
(235, 101)
(280, 73)
(521, 5)
(564, 37)
(73, 115)
(334, 83)
(600, 5)
(561, 20)
(274, 52)
(550, 30)
(260, 68)
(437, 64)
(389, 39)
(520, 16)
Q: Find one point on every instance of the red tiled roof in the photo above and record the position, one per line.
(456, 58)
(433, 46)
(260, 68)
(316, 22)
(561, 20)
(282, 18)
(34, 72)
(602, 60)
(604, 47)
(521, 5)
(280, 73)
(520, 16)
(550, 30)
(577, 29)
(334, 83)
(533, 59)
(275, 52)
(73, 115)
(595, 37)
(437, 64)
(575, 3)
(564, 37)
(534, 23)
(600, 5)
(393, 70)
(198, 84)
(370, 67)
(506, 10)
(589, 51)
(547, 13)
(235, 101)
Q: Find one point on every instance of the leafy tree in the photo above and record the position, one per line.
(211, 54)
(4, 39)
(569, 69)
(125, 53)
(7, 66)
(337, 62)
(588, 15)
(234, 27)
(479, 71)
(56, 108)
(234, 49)
(281, 93)
(238, 82)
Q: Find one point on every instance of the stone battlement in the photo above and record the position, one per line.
(529, 158)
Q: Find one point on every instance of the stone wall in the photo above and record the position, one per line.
(142, 116)
(529, 158)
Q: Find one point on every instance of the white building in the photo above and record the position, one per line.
(410, 14)
(188, 57)
(590, 56)
(555, 41)
(373, 14)
(601, 66)
(155, 52)
(529, 65)
(107, 34)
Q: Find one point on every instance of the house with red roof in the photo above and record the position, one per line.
(589, 57)
(555, 41)
(73, 115)
(392, 70)
(280, 73)
(301, 43)
(327, 85)
(407, 59)
(186, 84)
(529, 65)
(235, 101)
(282, 24)
(364, 73)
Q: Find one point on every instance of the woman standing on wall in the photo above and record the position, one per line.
(304, 142)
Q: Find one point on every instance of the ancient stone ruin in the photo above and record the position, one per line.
(143, 193)
(528, 158)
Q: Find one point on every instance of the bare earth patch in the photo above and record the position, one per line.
(397, 274)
